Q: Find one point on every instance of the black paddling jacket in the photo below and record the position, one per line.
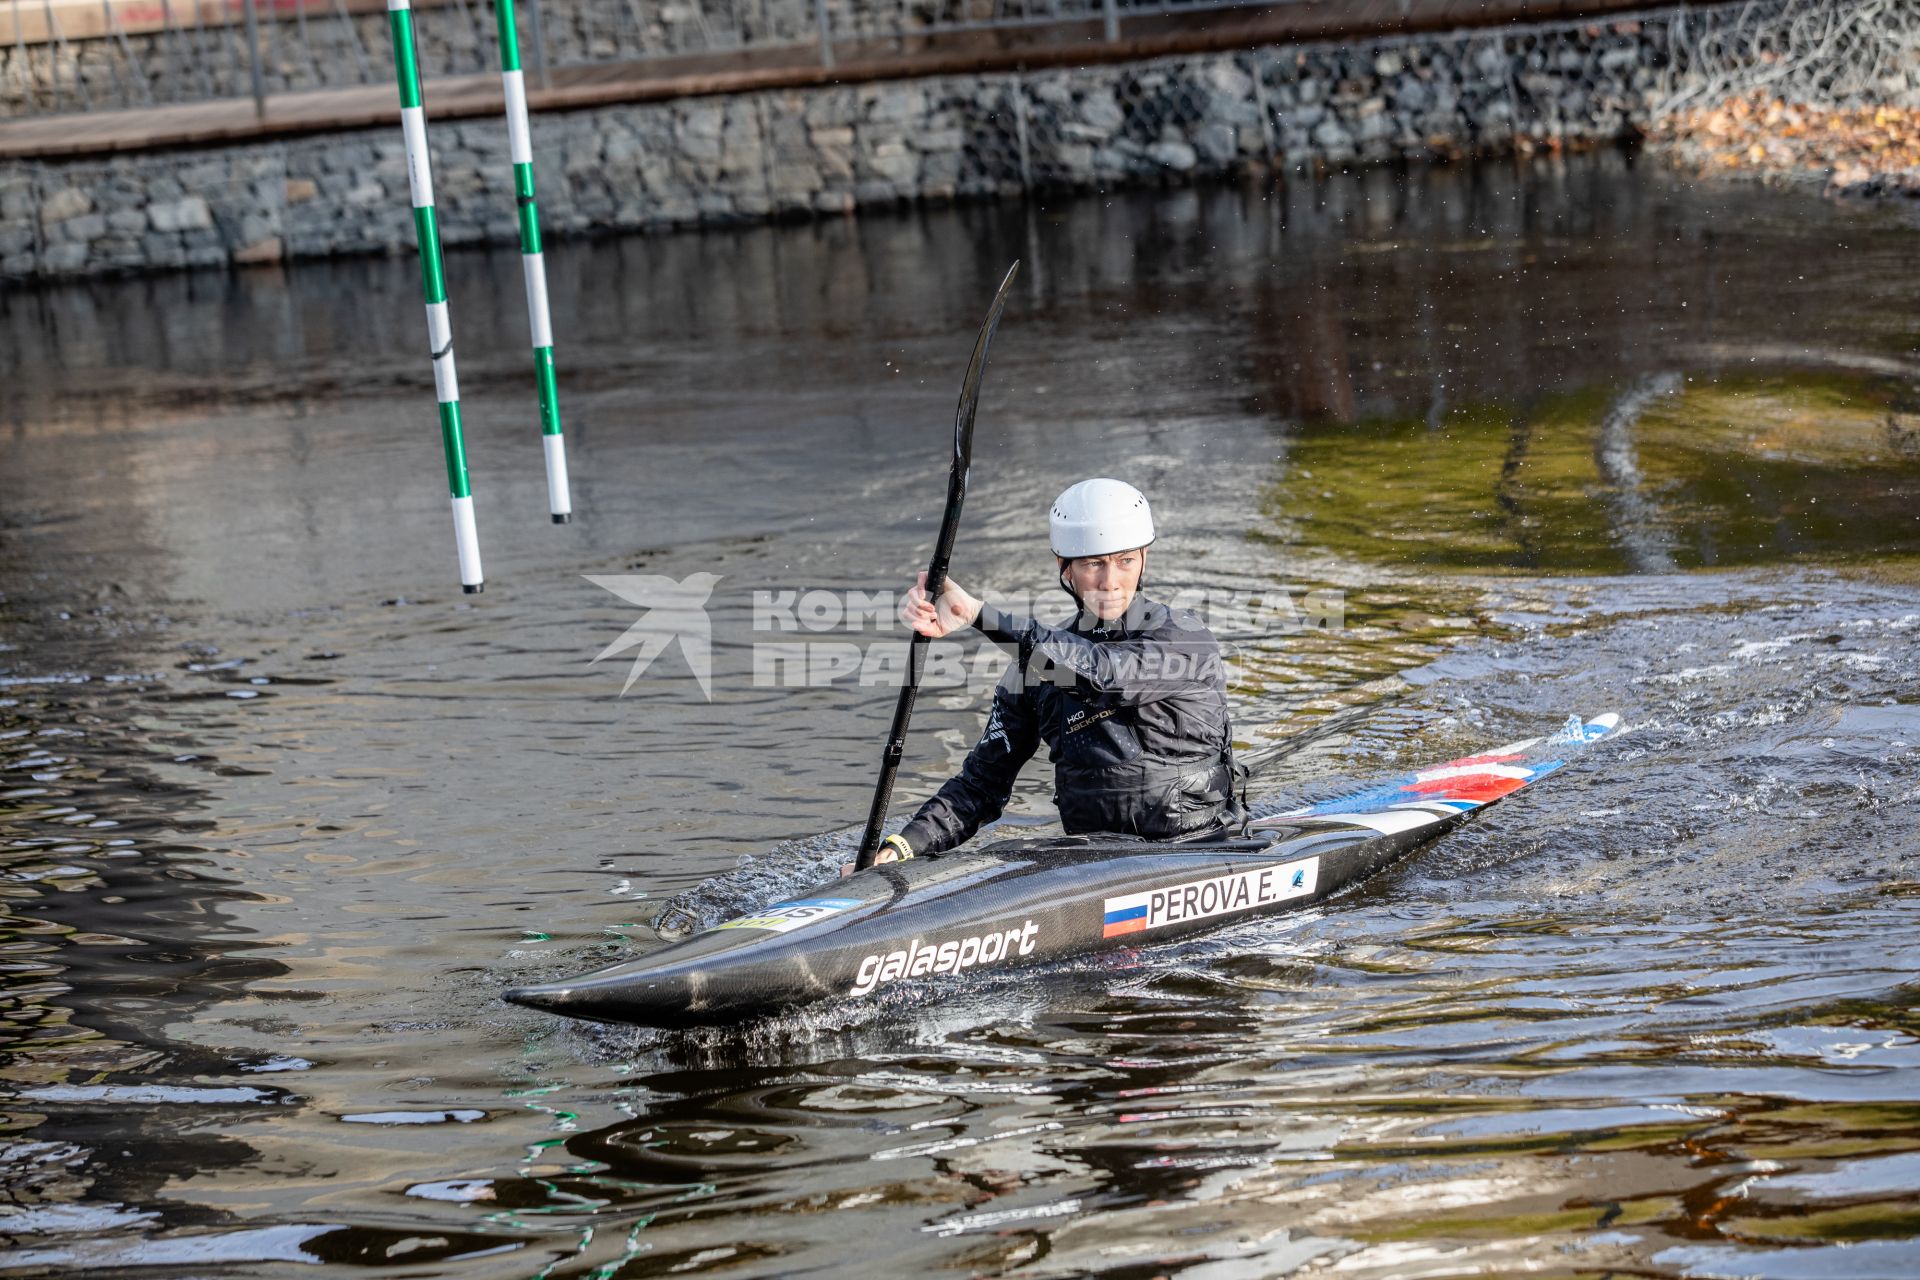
(1134, 715)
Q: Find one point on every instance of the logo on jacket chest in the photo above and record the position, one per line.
(1080, 718)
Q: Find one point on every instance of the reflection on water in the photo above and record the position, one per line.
(1669, 472)
(280, 813)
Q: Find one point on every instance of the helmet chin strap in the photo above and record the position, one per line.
(1080, 610)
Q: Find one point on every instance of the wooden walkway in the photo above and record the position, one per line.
(953, 53)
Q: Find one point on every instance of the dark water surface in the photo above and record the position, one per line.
(281, 812)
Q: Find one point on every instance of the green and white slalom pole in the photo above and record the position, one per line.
(433, 280)
(533, 263)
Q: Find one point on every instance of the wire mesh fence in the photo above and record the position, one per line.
(65, 56)
(1838, 54)
(1313, 106)
(1327, 104)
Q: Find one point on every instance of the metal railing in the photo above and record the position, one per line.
(69, 56)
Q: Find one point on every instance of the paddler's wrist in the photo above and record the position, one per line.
(1001, 628)
(895, 848)
(966, 606)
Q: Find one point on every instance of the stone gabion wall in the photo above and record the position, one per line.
(195, 65)
(829, 151)
(330, 50)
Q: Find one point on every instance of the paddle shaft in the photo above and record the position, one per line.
(936, 571)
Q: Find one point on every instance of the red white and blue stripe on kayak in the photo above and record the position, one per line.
(1456, 786)
(1127, 919)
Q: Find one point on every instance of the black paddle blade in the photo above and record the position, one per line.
(937, 567)
(963, 418)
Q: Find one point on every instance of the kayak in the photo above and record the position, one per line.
(1022, 902)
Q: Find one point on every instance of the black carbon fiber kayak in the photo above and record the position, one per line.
(1022, 902)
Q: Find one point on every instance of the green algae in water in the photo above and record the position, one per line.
(1675, 473)
(1447, 496)
(1879, 1220)
(1509, 1226)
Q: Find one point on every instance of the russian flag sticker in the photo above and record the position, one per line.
(1125, 915)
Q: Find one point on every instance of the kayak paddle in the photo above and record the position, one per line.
(936, 569)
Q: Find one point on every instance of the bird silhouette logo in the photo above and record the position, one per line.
(676, 609)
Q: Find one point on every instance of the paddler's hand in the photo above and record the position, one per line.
(956, 610)
(893, 849)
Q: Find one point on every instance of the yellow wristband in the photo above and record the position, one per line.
(902, 850)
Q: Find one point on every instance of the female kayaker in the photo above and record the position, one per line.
(1131, 699)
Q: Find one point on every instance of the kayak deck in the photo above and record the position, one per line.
(1020, 902)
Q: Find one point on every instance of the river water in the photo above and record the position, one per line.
(281, 811)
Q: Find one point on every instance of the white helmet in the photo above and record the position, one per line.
(1098, 518)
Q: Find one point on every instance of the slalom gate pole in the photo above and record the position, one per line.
(533, 263)
(433, 281)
